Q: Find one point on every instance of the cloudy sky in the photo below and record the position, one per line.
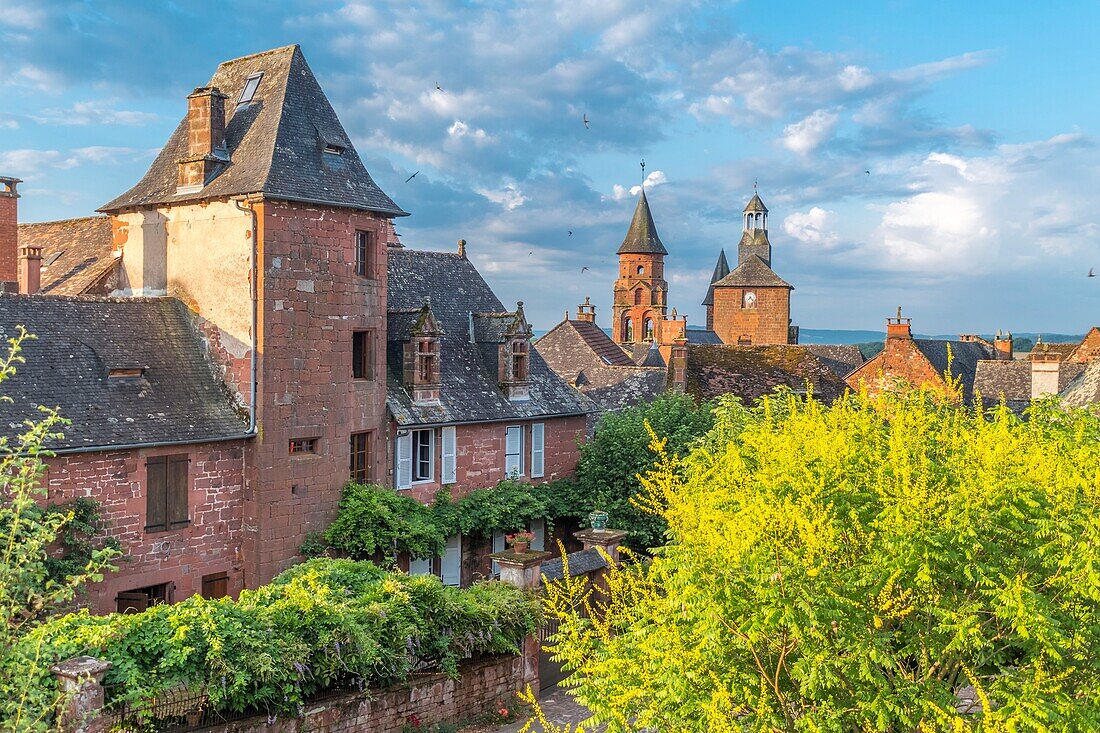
(942, 156)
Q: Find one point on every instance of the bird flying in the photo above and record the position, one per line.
(583, 269)
(438, 88)
(1091, 273)
(586, 121)
(411, 177)
(867, 172)
(570, 232)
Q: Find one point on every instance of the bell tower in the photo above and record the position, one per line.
(641, 292)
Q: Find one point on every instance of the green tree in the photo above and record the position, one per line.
(32, 584)
(851, 568)
(610, 463)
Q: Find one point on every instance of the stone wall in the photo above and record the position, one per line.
(117, 480)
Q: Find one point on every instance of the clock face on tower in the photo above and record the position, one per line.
(750, 299)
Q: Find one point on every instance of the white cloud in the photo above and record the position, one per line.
(93, 113)
(652, 180)
(807, 135)
(30, 164)
(509, 197)
(812, 227)
(24, 16)
(460, 130)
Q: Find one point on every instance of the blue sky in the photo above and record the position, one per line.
(977, 122)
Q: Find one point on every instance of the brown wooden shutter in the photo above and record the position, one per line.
(177, 491)
(156, 492)
(131, 602)
(215, 586)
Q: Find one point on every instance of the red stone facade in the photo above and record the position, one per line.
(479, 460)
(209, 545)
(313, 301)
(641, 293)
(1089, 347)
(739, 318)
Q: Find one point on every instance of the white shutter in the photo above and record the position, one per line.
(452, 561)
(538, 528)
(449, 471)
(498, 546)
(513, 452)
(538, 461)
(420, 567)
(403, 469)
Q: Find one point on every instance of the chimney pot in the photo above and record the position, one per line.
(30, 269)
(462, 248)
(899, 327)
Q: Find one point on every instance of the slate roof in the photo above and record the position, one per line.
(580, 563)
(583, 355)
(842, 359)
(178, 397)
(750, 372)
(755, 204)
(721, 269)
(275, 144)
(470, 391)
(701, 336)
(1012, 380)
(77, 254)
(754, 238)
(642, 236)
(1064, 351)
(1085, 389)
(753, 272)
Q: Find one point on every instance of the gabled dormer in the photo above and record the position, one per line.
(421, 357)
(514, 359)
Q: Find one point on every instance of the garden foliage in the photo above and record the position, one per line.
(319, 623)
(853, 568)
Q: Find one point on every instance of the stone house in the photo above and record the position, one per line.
(218, 335)
(470, 401)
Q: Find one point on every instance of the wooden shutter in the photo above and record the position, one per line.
(538, 460)
(513, 452)
(156, 493)
(177, 491)
(452, 561)
(420, 567)
(498, 546)
(215, 586)
(131, 602)
(449, 472)
(403, 461)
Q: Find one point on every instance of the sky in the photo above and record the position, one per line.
(939, 156)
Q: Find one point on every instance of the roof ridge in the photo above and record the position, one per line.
(63, 221)
(260, 54)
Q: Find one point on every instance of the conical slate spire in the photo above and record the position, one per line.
(721, 269)
(642, 237)
(756, 204)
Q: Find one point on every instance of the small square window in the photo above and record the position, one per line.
(250, 86)
(362, 355)
(300, 446)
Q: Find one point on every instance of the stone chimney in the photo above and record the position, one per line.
(1002, 346)
(899, 328)
(462, 248)
(9, 233)
(677, 364)
(1045, 366)
(586, 311)
(206, 150)
(30, 269)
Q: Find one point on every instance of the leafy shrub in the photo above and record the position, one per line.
(507, 507)
(318, 623)
(852, 568)
(373, 519)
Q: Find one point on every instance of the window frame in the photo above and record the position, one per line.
(366, 241)
(311, 446)
(360, 463)
(518, 453)
(212, 580)
(257, 77)
(171, 501)
(417, 443)
(362, 355)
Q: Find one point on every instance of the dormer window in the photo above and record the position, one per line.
(422, 367)
(521, 361)
(250, 85)
(125, 373)
(425, 361)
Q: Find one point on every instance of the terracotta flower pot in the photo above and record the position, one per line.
(519, 547)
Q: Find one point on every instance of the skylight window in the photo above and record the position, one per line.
(333, 149)
(250, 86)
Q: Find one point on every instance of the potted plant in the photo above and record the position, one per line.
(520, 541)
(598, 520)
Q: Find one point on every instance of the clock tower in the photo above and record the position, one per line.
(641, 292)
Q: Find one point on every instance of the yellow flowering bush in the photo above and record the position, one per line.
(853, 568)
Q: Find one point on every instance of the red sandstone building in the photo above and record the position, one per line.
(236, 376)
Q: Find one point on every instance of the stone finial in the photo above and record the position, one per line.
(462, 248)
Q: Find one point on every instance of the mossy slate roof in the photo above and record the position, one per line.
(77, 254)
(753, 272)
(470, 391)
(178, 396)
(750, 372)
(275, 144)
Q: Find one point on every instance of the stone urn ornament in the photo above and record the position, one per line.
(598, 520)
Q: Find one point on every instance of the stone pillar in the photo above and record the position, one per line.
(81, 682)
(524, 570)
(607, 540)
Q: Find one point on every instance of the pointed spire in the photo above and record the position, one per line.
(755, 203)
(642, 237)
(721, 269)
